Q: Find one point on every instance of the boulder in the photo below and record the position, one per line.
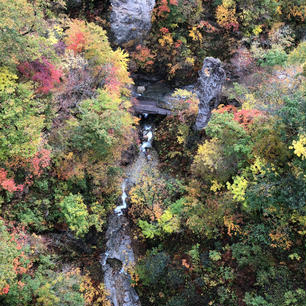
(128, 156)
(140, 89)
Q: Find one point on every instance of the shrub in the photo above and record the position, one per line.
(103, 126)
(298, 55)
(22, 29)
(75, 213)
(108, 66)
(273, 57)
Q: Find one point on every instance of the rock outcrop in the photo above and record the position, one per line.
(131, 19)
(211, 78)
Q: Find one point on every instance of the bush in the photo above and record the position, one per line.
(273, 57)
(298, 55)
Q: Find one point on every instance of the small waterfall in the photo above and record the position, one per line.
(119, 209)
(148, 136)
(147, 144)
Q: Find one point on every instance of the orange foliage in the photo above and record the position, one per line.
(244, 116)
(8, 183)
(297, 12)
(77, 38)
(34, 167)
(40, 161)
(77, 42)
(5, 290)
(164, 30)
(163, 6)
(280, 239)
(208, 27)
(112, 82)
(226, 18)
(144, 57)
(232, 225)
(19, 261)
(94, 294)
(228, 108)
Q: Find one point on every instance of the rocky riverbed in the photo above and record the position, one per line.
(119, 256)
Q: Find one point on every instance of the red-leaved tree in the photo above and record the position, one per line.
(43, 73)
(243, 116)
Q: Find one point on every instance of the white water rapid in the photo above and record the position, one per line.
(119, 209)
(148, 136)
(147, 144)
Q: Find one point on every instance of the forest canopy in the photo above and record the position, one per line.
(220, 219)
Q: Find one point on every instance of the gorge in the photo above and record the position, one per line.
(152, 153)
(119, 256)
(130, 20)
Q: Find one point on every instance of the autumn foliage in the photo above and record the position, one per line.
(243, 116)
(8, 183)
(217, 216)
(42, 72)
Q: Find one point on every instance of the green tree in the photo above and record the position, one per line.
(79, 217)
(228, 149)
(102, 125)
(21, 120)
(22, 26)
(75, 213)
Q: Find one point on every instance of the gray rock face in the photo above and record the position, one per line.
(116, 261)
(131, 19)
(211, 79)
(74, 3)
(150, 106)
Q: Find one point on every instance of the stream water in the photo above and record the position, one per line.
(119, 256)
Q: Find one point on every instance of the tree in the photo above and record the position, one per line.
(226, 15)
(21, 120)
(221, 156)
(21, 27)
(41, 72)
(153, 205)
(108, 66)
(103, 125)
(77, 216)
(13, 260)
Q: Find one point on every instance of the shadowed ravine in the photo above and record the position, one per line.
(128, 23)
(119, 256)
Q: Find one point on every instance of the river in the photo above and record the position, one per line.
(119, 256)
